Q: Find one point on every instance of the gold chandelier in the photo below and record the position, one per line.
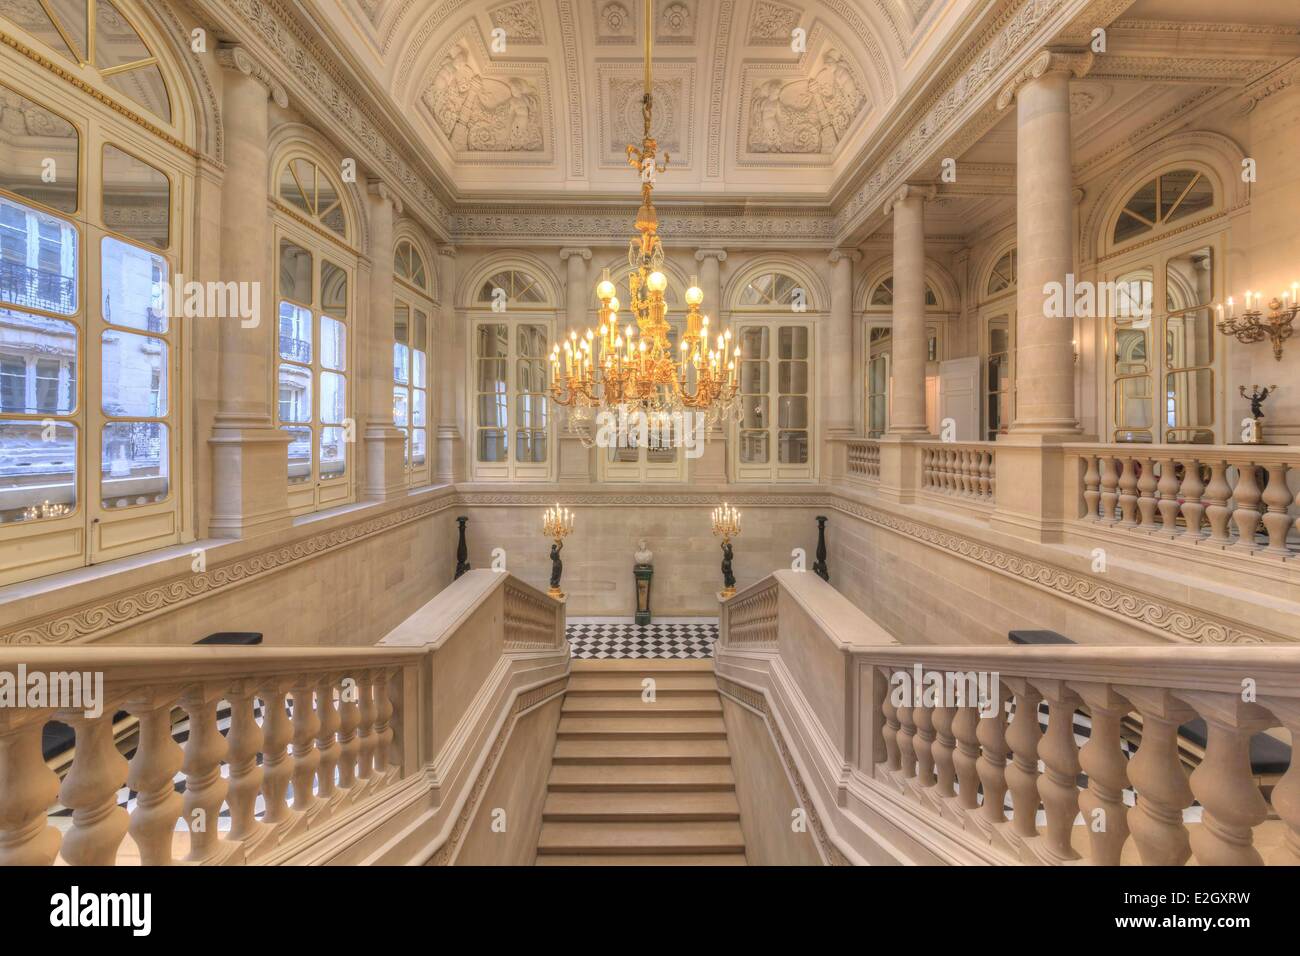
(636, 367)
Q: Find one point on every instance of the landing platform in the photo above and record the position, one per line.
(673, 638)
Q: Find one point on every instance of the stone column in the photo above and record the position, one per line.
(449, 366)
(1044, 242)
(838, 396)
(574, 461)
(711, 283)
(576, 289)
(909, 345)
(712, 465)
(250, 465)
(385, 475)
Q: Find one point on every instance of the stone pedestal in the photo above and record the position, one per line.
(643, 574)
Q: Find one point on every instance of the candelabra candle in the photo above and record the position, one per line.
(1255, 324)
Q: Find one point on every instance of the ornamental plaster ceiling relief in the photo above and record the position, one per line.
(619, 109)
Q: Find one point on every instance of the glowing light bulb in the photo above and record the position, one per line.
(605, 288)
(694, 295)
(613, 304)
(656, 282)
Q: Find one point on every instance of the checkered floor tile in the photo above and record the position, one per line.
(611, 640)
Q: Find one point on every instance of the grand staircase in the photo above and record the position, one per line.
(641, 780)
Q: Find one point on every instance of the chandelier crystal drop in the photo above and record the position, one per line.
(632, 365)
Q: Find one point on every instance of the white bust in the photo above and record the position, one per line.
(643, 554)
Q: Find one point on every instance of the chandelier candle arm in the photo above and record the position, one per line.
(1255, 324)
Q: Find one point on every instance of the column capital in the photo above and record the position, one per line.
(569, 251)
(1077, 63)
(844, 255)
(702, 254)
(385, 193)
(449, 251)
(926, 192)
(237, 58)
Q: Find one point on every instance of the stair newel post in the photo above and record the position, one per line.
(1058, 785)
(205, 788)
(819, 566)
(889, 726)
(30, 787)
(1102, 759)
(1157, 775)
(151, 775)
(1024, 736)
(992, 763)
(1223, 782)
(306, 758)
(462, 549)
(90, 790)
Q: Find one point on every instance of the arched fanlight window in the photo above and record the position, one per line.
(96, 33)
(517, 286)
(883, 294)
(1162, 200)
(409, 264)
(1003, 276)
(772, 289)
(310, 190)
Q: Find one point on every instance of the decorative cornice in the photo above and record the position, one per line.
(237, 58)
(1073, 62)
(1280, 79)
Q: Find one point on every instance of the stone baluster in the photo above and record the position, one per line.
(1147, 494)
(1102, 759)
(366, 729)
(965, 727)
(349, 742)
(1286, 793)
(388, 754)
(30, 786)
(1217, 494)
(1246, 513)
(986, 472)
(1091, 488)
(906, 743)
(1223, 783)
(942, 749)
(1024, 736)
(90, 790)
(205, 787)
(889, 725)
(1109, 492)
(1277, 520)
(1128, 492)
(1058, 785)
(1168, 493)
(306, 758)
(1191, 491)
(244, 743)
(277, 768)
(151, 775)
(1157, 775)
(923, 745)
(327, 744)
(992, 763)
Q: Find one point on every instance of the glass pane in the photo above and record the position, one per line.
(1198, 198)
(333, 398)
(792, 447)
(1130, 351)
(532, 341)
(135, 286)
(530, 446)
(117, 43)
(754, 412)
(792, 412)
(492, 410)
(137, 198)
(753, 378)
(754, 447)
(1142, 205)
(295, 272)
(792, 378)
(298, 185)
(333, 290)
(492, 375)
(328, 205)
(753, 342)
(997, 340)
(1134, 295)
(299, 455)
(420, 331)
(133, 464)
(29, 15)
(147, 87)
(401, 407)
(402, 323)
(419, 447)
(1189, 340)
(1189, 399)
(794, 342)
(295, 393)
(491, 445)
(134, 375)
(531, 375)
(883, 294)
(38, 478)
(333, 453)
(532, 411)
(401, 363)
(419, 401)
(419, 370)
(333, 344)
(38, 149)
(1133, 403)
(1189, 280)
(38, 259)
(295, 333)
(38, 364)
(493, 341)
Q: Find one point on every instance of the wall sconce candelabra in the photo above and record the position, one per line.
(557, 524)
(45, 510)
(1255, 324)
(726, 525)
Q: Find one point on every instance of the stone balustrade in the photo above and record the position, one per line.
(1227, 497)
(863, 460)
(960, 470)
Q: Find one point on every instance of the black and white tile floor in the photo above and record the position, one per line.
(607, 638)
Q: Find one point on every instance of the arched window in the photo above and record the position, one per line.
(883, 294)
(773, 290)
(1003, 276)
(311, 191)
(409, 265)
(1162, 200)
(95, 33)
(512, 286)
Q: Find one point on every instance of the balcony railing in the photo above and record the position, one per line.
(960, 470)
(863, 456)
(37, 289)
